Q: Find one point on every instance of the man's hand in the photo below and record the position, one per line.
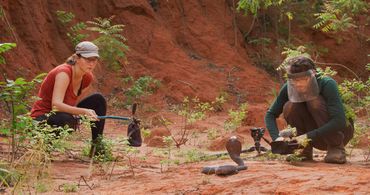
(282, 139)
(302, 139)
(287, 133)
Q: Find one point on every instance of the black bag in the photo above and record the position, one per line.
(134, 134)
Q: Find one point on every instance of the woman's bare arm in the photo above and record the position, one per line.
(60, 87)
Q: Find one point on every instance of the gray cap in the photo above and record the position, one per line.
(87, 49)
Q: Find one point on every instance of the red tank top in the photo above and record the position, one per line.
(45, 93)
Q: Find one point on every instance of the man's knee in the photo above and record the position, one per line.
(335, 139)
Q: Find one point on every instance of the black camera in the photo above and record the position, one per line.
(257, 133)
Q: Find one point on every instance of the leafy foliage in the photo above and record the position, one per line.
(330, 21)
(15, 93)
(8, 175)
(68, 187)
(194, 155)
(253, 6)
(355, 93)
(260, 41)
(360, 131)
(212, 133)
(334, 16)
(65, 17)
(31, 142)
(74, 32)
(105, 147)
(191, 110)
(36, 142)
(355, 96)
(338, 15)
(5, 47)
(110, 41)
(236, 118)
(219, 101)
(291, 53)
(143, 86)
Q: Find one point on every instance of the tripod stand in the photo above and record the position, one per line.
(257, 134)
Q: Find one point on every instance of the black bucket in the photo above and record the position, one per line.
(283, 147)
(134, 134)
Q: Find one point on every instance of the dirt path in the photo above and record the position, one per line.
(262, 176)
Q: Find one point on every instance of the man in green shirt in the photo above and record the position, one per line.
(313, 106)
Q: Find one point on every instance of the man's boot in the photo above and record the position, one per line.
(336, 154)
(307, 153)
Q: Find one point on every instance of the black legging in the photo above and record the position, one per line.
(95, 102)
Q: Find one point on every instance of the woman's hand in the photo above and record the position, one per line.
(91, 114)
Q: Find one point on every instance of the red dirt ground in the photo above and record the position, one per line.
(262, 177)
(190, 47)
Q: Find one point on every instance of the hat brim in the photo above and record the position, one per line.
(89, 55)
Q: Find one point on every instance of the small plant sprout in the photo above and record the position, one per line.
(236, 117)
(129, 153)
(68, 187)
(191, 110)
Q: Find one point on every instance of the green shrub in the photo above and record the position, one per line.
(236, 118)
(193, 155)
(106, 154)
(8, 176)
(110, 42)
(68, 187)
(140, 88)
(41, 187)
(5, 47)
(338, 15)
(74, 31)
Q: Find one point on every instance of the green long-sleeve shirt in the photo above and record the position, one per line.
(329, 91)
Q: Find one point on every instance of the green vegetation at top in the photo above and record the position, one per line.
(274, 22)
(110, 42)
(74, 31)
(112, 48)
(338, 15)
(330, 15)
(253, 6)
